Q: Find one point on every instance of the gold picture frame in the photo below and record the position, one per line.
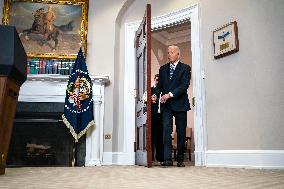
(225, 40)
(51, 29)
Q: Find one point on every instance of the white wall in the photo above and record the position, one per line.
(101, 58)
(155, 66)
(243, 91)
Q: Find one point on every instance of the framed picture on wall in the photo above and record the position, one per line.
(225, 40)
(48, 28)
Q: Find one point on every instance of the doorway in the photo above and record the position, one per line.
(181, 16)
(161, 38)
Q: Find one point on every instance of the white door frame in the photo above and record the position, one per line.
(191, 13)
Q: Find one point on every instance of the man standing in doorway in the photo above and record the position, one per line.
(156, 123)
(173, 83)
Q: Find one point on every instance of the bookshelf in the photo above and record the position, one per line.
(36, 66)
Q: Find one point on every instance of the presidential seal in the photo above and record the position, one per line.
(78, 91)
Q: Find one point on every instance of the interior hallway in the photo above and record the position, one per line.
(140, 177)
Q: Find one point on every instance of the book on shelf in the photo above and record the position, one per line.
(49, 66)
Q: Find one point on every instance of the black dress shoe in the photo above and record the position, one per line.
(180, 164)
(167, 163)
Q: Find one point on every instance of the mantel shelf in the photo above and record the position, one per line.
(64, 78)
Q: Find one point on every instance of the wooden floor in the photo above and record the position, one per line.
(140, 177)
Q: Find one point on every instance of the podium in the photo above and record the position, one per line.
(13, 65)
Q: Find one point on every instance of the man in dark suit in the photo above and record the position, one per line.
(156, 122)
(173, 83)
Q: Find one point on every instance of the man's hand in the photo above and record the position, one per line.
(154, 98)
(165, 97)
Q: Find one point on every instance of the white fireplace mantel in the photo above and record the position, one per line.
(52, 88)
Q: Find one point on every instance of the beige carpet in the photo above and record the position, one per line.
(140, 177)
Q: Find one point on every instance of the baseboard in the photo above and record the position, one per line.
(121, 158)
(118, 158)
(107, 158)
(264, 159)
(92, 162)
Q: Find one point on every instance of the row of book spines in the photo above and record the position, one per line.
(50, 67)
(62, 71)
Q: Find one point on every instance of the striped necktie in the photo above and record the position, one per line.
(172, 69)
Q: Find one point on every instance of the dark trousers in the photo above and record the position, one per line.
(181, 123)
(157, 136)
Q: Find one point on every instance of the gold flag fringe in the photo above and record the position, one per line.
(72, 131)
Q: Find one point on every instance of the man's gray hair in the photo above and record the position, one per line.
(176, 47)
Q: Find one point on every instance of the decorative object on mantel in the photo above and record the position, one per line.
(225, 40)
(78, 110)
(48, 28)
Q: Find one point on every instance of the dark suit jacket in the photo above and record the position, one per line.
(178, 86)
(155, 106)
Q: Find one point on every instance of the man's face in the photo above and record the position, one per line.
(173, 54)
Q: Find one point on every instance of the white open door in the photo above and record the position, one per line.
(143, 147)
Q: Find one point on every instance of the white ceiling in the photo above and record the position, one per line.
(173, 35)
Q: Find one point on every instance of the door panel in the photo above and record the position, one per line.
(143, 154)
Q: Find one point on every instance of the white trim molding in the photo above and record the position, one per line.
(266, 159)
(168, 20)
(94, 136)
(117, 158)
(51, 88)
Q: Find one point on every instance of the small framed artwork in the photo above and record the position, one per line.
(225, 40)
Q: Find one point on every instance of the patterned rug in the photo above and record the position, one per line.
(140, 177)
